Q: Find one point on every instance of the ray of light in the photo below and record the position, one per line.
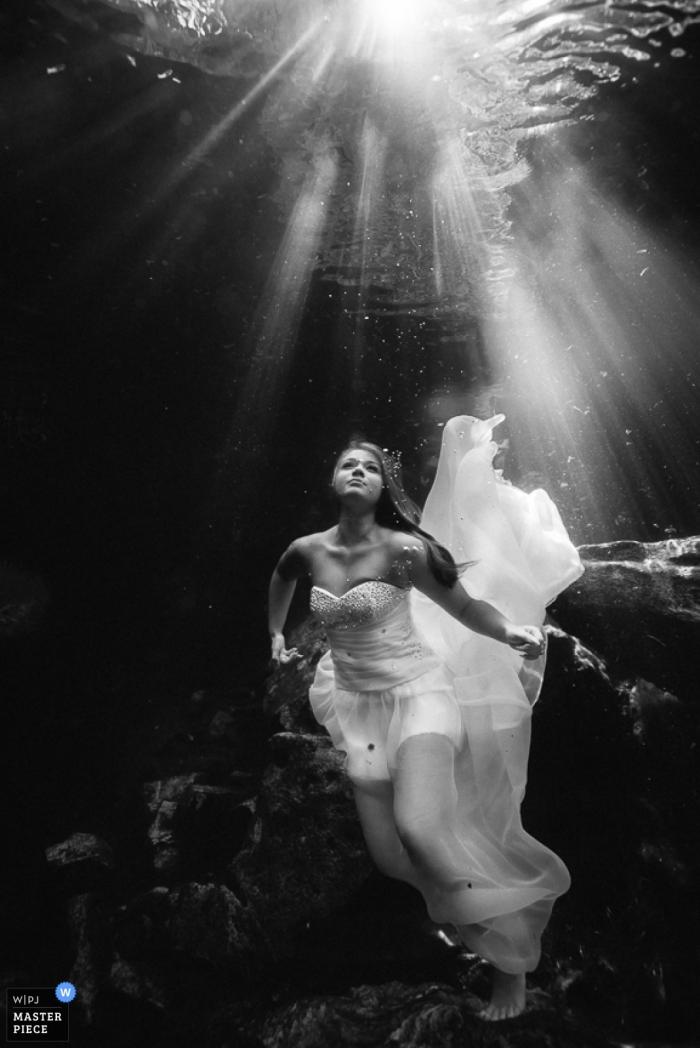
(322, 61)
(373, 157)
(597, 346)
(373, 152)
(280, 310)
(460, 256)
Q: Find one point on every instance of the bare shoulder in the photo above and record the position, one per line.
(405, 547)
(298, 557)
(310, 544)
(307, 547)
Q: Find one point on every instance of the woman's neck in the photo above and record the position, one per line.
(354, 529)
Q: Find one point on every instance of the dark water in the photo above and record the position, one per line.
(187, 340)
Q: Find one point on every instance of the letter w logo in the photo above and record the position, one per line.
(65, 991)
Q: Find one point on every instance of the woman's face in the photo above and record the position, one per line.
(358, 478)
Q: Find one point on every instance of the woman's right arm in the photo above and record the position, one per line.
(282, 585)
(476, 615)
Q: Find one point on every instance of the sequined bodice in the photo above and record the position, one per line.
(361, 606)
(373, 644)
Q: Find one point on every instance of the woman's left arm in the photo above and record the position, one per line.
(282, 586)
(477, 615)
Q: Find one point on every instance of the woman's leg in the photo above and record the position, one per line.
(375, 807)
(425, 802)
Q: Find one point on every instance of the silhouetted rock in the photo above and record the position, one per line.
(613, 789)
(90, 921)
(196, 829)
(638, 605)
(162, 798)
(218, 735)
(287, 692)
(306, 854)
(210, 923)
(80, 864)
(141, 927)
(140, 981)
(24, 599)
(211, 824)
(419, 1016)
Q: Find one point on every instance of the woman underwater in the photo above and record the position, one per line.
(428, 686)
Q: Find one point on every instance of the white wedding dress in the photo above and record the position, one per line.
(399, 667)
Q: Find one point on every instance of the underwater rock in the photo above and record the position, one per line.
(90, 922)
(219, 736)
(287, 690)
(162, 799)
(305, 855)
(24, 599)
(139, 981)
(638, 605)
(80, 864)
(210, 923)
(210, 824)
(613, 789)
(423, 1016)
(141, 926)
(196, 828)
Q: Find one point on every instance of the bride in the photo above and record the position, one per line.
(429, 683)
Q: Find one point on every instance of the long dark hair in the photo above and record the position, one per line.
(396, 510)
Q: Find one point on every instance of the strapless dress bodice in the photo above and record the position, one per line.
(372, 638)
(362, 605)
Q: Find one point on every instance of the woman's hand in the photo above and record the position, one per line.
(528, 641)
(280, 654)
(281, 593)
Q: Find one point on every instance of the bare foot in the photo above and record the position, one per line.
(507, 997)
